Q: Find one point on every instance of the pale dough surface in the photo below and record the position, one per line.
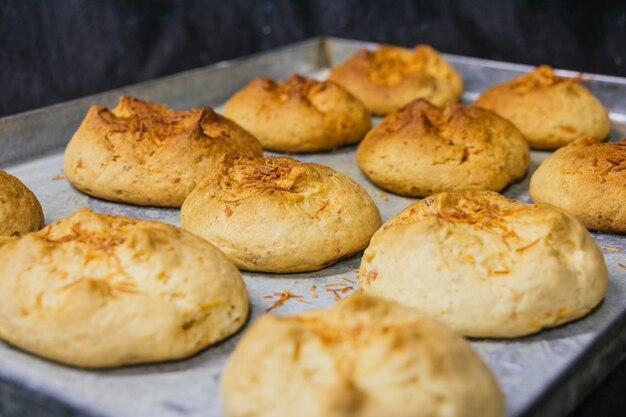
(281, 215)
(96, 290)
(485, 265)
(364, 357)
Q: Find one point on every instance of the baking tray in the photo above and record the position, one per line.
(542, 375)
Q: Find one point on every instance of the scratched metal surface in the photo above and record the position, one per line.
(542, 375)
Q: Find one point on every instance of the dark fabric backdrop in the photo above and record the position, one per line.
(51, 51)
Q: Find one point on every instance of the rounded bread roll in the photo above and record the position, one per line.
(279, 214)
(550, 111)
(144, 153)
(95, 290)
(390, 77)
(299, 115)
(364, 357)
(421, 149)
(485, 265)
(20, 211)
(588, 180)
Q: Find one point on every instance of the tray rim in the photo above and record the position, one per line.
(611, 336)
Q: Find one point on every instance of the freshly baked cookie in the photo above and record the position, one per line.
(20, 211)
(485, 265)
(390, 77)
(588, 180)
(280, 215)
(144, 153)
(299, 115)
(95, 290)
(362, 357)
(421, 149)
(550, 111)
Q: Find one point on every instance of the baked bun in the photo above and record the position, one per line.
(422, 149)
(20, 211)
(364, 357)
(550, 111)
(485, 265)
(588, 180)
(95, 290)
(144, 153)
(299, 115)
(390, 77)
(280, 215)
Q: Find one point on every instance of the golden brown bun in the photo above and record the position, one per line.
(144, 153)
(588, 180)
(364, 357)
(390, 77)
(20, 211)
(485, 265)
(422, 149)
(550, 111)
(94, 290)
(299, 115)
(279, 214)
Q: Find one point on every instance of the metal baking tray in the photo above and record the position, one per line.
(542, 375)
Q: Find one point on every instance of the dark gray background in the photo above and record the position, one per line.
(52, 51)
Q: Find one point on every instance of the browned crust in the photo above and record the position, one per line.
(422, 149)
(389, 77)
(20, 211)
(299, 115)
(112, 231)
(482, 209)
(238, 177)
(551, 111)
(144, 153)
(587, 179)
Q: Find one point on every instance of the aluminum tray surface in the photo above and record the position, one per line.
(542, 375)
